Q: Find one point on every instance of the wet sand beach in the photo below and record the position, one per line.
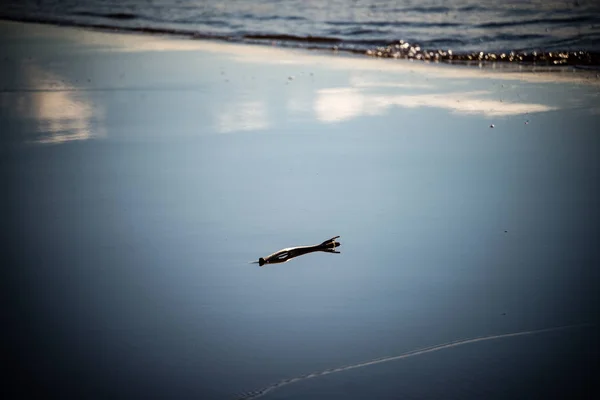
(143, 173)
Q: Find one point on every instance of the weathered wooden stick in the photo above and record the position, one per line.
(328, 246)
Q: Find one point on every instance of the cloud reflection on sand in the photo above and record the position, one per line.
(332, 105)
(243, 116)
(61, 112)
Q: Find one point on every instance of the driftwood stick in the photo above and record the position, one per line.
(284, 255)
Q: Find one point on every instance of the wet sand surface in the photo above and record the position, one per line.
(142, 174)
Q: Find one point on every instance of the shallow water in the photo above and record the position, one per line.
(142, 175)
(463, 26)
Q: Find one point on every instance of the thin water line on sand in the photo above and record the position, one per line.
(261, 392)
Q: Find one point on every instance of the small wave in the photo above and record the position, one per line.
(354, 31)
(207, 22)
(510, 37)
(405, 50)
(441, 10)
(443, 43)
(576, 39)
(529, 12)
(543, 21)
(472, 8)
(423, 24)
(398, 23)
(255, 17)
(292, 38)
(118, 16)
(427, 10)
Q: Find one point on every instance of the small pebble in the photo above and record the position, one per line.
(492, 125)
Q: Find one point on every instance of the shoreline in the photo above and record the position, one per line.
(550, 60)
(502, 71)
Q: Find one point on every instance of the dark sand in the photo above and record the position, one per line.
(141, 174)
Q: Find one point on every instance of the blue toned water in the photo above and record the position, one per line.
(463, 26)
(141, 175)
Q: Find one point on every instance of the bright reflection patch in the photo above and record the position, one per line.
(62, 113)
(243, 116)
(334, 105)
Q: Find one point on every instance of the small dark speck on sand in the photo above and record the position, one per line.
(492, 126)
(503, 313)
(505, 231)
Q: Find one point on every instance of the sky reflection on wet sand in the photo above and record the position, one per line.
(339, 89)
(127, 244)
